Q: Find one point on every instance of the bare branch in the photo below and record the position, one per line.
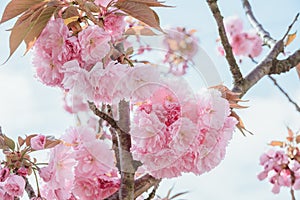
(262, 69)
(234, 68)
(265, 35)
(284, 92)
(281, 66)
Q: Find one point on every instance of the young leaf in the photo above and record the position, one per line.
(21, 141)
(277, 143)
(51, 143)
(17, 7)
(38, 26)
(28, 138)
(290, 38)
(151, 3)
(9, 142)
(141, 12)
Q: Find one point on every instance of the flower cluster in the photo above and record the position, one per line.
(181, 47)
(243, 43)
(175, 132)
(282, 167)
(83, 167)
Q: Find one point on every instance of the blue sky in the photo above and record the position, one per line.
(26, 106)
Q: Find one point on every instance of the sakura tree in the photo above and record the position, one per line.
(140, 119)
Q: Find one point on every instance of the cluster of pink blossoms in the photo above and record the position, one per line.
(11, 185)
(182, 47)
(243, 43)
(83, 167)
(281, 170)
(175, 132)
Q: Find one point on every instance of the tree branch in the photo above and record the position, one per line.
(265, 35)
(262, 69)
(29, 189)
(281, 66)
(141, 185)
(234, 68)
(128, 169)
(284, 92)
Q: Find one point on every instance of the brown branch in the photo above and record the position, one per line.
(141, 185)
(293, 194)
(262, 69)
(284, 93)
(128, 169)
(265, 35)
(234, 68)
(29, 189)
(281, 66)
(104, 116)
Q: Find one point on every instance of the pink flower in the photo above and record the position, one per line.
(22, 171)
(94, 44)
(233, 25)
(4, 173)
(106, 82)
(91, 162)
(15, 185)
(49, 52)
(38, 142)
(103, 3)
(114, 25)
(46, 173)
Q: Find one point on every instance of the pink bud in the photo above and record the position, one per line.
(4, 173)
(23, 171)
(38, 142)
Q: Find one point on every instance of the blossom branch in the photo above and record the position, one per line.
(234, 68)
(284, 92)
(265, 35)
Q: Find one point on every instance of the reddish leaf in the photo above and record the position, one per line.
(150, 3)
(28, 138)
(29, 26)
(277, 143)
(21, 141)
(38, 25)
(141, 12)
(51, 143)
(71, 11)
(17, 7)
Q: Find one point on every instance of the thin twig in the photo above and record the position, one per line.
(265, 35)
(234, 68)
(293, 194)
(284, 93)
(291, 26)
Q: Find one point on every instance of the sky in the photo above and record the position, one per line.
(27, 106)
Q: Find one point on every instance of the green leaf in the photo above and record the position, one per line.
(17, 7)
(9, 142)
(151, 3)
